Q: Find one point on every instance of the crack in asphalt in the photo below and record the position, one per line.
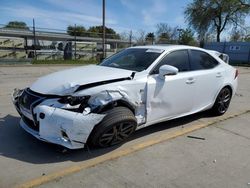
(232, 132)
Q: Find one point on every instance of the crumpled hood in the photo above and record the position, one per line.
(67, 81)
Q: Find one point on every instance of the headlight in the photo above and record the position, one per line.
(73, 100)
(16, 93)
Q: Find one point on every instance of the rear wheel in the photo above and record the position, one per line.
(222, 101)
(115, 128)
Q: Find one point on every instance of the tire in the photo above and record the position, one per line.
(115, 128)
(222, 102)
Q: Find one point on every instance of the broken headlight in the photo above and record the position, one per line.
(16, 93)
(73, 100)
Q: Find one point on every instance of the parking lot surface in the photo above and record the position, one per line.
(219, 159)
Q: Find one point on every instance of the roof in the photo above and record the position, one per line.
(168, 47)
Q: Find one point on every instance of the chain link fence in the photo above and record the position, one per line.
(30, 43)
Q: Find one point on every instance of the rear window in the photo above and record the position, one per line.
(201, 60)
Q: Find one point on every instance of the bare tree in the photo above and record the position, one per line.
(166, 34)
(140, 39)
(237, 35)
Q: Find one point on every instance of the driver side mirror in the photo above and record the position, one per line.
(167, 70)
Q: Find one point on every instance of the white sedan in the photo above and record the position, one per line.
(102, 105)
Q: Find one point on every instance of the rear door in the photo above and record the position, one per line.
(208, 77)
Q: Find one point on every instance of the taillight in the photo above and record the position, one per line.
(236, 73)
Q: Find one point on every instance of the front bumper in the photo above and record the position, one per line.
(55, 125)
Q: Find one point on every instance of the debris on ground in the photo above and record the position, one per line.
(238, 95)
(196, 137)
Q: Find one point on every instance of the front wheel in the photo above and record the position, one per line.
(115, 128)
(222, 101)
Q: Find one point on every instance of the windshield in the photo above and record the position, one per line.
(135, 59)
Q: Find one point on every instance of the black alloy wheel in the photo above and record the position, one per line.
(117, 134)
(222, 102)
(118, 124)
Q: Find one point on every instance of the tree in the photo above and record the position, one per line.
(150, 37)
(96, 31)
(240, 34)
(247, 36)
(166, 34)
(17, 25)
(204, 15)
(76, 30)
(236, 35)
(140, 39)
(187, 37)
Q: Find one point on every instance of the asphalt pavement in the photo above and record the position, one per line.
(161, 155)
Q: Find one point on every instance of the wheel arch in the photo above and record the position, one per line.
(229, 86)
(116, 103)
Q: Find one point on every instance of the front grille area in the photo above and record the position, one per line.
(28, 98)
(26, 102)
(30, 123)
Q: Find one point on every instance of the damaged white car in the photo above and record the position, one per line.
(104, 104)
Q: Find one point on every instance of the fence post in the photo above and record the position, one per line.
(249, 56)
(34, 35)
(130, 38)
(75, 41)
(103, 29)
(224, 47)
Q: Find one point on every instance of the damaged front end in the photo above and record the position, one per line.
(65, 121)
(69, 120)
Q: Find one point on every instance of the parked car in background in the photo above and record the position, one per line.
(102, 105)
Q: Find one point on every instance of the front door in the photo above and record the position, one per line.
(172, 96)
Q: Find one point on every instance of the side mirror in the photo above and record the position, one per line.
(166, 70)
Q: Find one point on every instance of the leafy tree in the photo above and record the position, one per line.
(150, 37)
(96, 31)
(76, 30)
(203, 15)
(187, 37)
(17, 25)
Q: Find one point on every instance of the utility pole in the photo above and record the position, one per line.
(153, 38)
(34, 36)
(130, 38)
(75, 40)
(103, 30)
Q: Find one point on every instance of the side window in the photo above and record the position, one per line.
(201, 60)
(178, 59)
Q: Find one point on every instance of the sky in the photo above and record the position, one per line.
(121, 15)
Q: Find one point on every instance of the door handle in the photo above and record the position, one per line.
(218, 74)
(190, 81)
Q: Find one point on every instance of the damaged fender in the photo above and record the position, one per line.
(67, 128)
(137, 102)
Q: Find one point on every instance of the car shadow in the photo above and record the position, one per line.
(17, 144)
